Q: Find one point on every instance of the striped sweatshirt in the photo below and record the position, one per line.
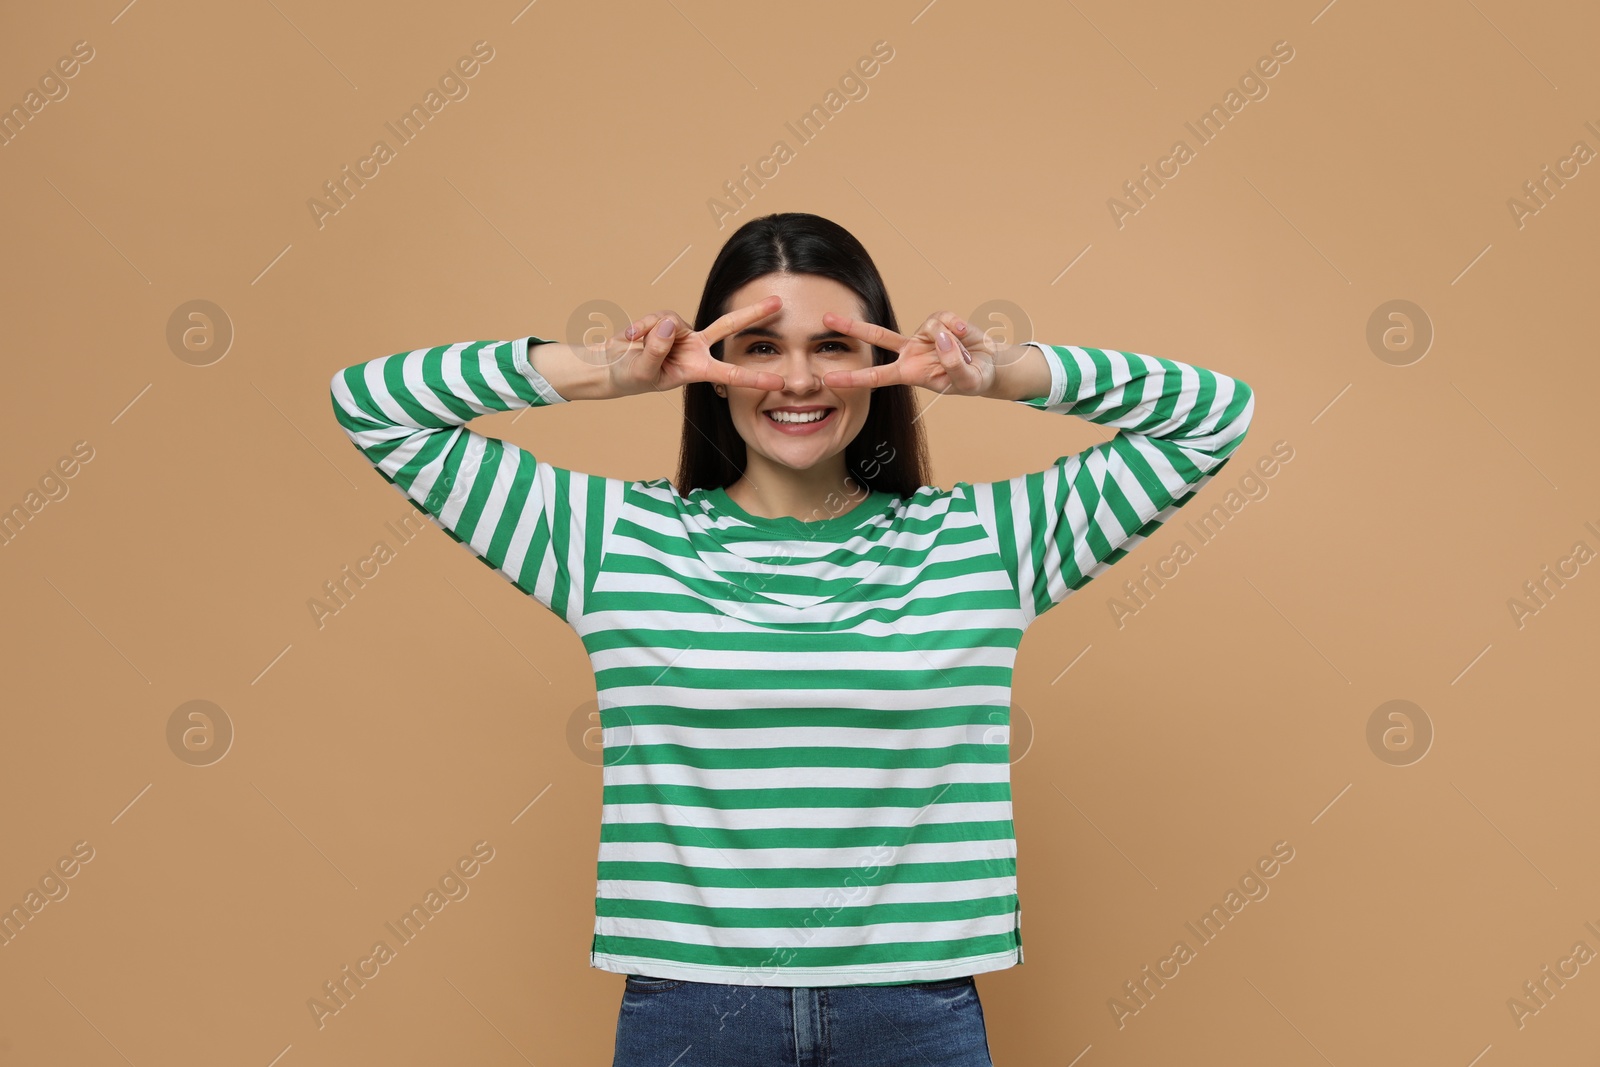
(806, 775)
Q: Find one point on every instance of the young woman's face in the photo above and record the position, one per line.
(795, 344)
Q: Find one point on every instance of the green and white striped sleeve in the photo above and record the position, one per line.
(1177, 425)
(526, 519)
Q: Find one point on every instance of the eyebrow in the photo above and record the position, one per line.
(764, 331)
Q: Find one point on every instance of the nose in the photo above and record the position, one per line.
(799, 375)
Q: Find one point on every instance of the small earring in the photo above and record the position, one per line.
(721, 391)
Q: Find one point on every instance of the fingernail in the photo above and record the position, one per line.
(942, 339)
(665, 329)
(966, 356)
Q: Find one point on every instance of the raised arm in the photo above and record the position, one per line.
(1177, 426)
(526, 519)
(538, 525)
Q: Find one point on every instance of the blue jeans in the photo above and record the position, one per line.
(667, 1022)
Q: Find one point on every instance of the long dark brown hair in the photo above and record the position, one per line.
(889, 453)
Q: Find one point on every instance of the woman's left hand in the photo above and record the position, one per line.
(921, 360)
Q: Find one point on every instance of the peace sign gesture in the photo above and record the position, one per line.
(660, 352)
(967, 366)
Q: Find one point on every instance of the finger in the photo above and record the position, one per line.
(658, 341)
(739, 318)
(716, 370)
(960, 332)
(743, 377)
(639, 327)
(934, 323)
(870, 332)
(875, 377)
(957, 362)
(973, 338)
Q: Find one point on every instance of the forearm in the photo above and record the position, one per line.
(407, 413)
(1199, 412)
(1021, 372)
(1177, 425)
(574, 371)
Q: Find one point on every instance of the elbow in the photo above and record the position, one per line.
(1231, 428)
(346, 407)
(1244, 404)
(335, 385)
(339, 383)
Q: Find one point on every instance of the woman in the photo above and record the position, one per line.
(803, 652)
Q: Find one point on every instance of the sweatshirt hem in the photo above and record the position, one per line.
(884, 973)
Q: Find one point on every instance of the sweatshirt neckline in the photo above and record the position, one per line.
(875, 503)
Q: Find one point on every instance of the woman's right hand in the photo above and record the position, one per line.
(660, 352)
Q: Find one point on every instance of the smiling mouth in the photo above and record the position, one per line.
(798, 418)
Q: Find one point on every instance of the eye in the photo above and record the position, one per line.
(839, 347)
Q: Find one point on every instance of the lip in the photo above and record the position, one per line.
(802, 428)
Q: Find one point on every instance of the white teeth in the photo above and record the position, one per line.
(790, 416)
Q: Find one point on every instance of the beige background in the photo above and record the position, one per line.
(1156, 760)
